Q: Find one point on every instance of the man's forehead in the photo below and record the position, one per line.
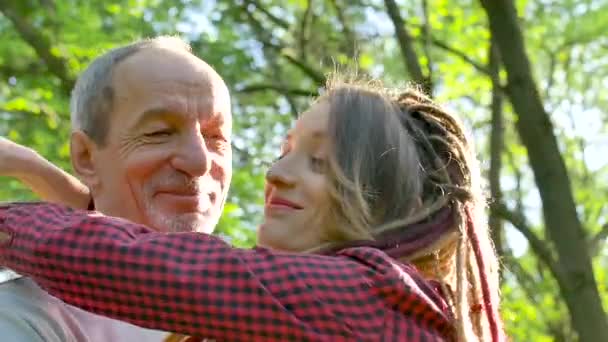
(180, 71)
(171, 85)
(172, 113)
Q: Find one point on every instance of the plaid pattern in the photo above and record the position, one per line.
(196, 284)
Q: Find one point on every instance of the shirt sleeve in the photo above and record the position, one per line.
(197, 284)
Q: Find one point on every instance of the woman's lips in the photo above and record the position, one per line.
(279, 204)
(282, 202)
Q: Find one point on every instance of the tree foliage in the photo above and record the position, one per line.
(274, 56)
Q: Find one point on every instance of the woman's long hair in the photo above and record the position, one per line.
(399, 159)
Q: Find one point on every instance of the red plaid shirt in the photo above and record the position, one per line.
(197, 284)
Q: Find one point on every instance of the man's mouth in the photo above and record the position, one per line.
(185, 199)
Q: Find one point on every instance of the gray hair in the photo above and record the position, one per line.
(93, 96)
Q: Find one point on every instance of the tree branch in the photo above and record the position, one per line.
(43, 110)
(278, 21)
(462, 55)
(528, 284)
(317, 76)
(241, 155)
(303, 30)
(406, 44)
(262, 36)
(524, 278)
(540, 247)
(252, 88)
(33, 69)
(39, 42)
(348, 33)
(426, 36)
(276, 71)
(551, 73)
(271, 53)
(519, 194)
(478, 66)
(596, 241)
(18, 112)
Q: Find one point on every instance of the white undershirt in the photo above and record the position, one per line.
(27, 313)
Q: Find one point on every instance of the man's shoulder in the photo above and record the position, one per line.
(24, 312)
(21, 296)
(20, 292)
(23, 299)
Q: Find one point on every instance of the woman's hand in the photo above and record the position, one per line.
(49, 182)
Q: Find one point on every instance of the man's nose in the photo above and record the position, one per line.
(192, 156)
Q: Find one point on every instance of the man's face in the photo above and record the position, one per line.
(167, 161)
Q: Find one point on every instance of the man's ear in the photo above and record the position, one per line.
(82, 153)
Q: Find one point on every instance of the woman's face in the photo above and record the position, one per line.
(296, 192)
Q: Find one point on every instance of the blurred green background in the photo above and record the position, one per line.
(537, 109)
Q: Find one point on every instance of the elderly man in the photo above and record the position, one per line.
(151, 141)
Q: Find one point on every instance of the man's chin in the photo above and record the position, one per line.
(185, 222)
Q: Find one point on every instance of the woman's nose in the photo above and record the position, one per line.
(279, 173)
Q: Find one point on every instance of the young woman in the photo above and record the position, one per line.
(370, 232)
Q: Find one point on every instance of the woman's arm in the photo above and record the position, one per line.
(46, 180)
(196, 284)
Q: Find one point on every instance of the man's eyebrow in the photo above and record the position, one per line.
(152, 114)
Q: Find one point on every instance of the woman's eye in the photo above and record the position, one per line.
(279, 158)
(317, 164)
(284, 150)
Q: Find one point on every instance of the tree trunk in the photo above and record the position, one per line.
(577, 282)
(406, 44)
(496, 148)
